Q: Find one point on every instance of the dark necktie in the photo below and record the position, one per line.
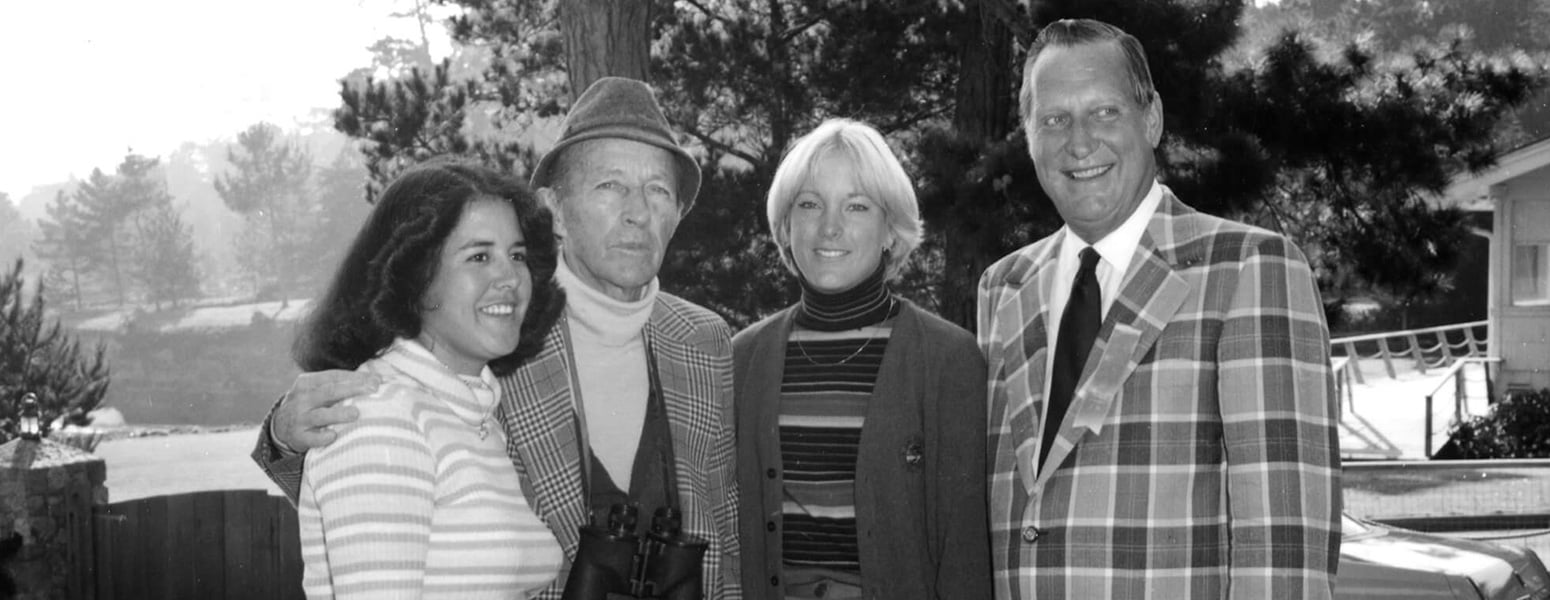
(1078, 329)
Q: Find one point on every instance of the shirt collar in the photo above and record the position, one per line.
(1119, 245)
(611, 321)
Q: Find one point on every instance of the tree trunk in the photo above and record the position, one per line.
(75, 277)
(780, 81)
(118, 276)
(983, 102)
(983, 114)
(605, 38)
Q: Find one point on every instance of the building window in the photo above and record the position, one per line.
(1531, 275)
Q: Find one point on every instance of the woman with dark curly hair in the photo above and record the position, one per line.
(449, 283)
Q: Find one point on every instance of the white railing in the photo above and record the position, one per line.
(1369, 442)
(1413, 345)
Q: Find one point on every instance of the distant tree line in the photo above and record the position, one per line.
(122, 238)
(121, 229)
(1296, 116)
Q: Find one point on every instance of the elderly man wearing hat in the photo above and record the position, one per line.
(630, 399)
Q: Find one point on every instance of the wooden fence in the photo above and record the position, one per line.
(237, 544)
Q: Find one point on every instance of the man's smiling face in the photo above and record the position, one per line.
(1090, 140)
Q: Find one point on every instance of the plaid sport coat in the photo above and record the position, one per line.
(1199, 456)
(693, 349)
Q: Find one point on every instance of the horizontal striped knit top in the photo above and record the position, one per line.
(831, 365)
(417, 498)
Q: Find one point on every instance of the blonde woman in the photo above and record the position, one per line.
(861, 417)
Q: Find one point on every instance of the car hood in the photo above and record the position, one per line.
(1497, 571)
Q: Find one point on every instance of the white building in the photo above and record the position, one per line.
(1517, 190)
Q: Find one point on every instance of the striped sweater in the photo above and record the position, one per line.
(412, 501)
(827, 384)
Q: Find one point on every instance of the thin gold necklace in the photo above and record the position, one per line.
(847, 359)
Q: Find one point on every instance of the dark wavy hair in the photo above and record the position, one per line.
(375, 294)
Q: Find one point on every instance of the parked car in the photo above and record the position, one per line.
(1380, 561)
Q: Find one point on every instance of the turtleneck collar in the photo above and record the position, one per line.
(868, 303)
(591, 312)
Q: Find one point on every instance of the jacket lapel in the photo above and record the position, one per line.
(1026, 347)
(680, 366)
(1151, 293)
(541, 414)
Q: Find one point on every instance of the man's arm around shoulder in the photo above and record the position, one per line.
(301, 420)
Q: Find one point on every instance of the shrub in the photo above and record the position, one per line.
(37, 356)
(1516, 427)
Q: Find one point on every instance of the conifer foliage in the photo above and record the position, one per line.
(122, 232)
(37, 356)
(1336, 148)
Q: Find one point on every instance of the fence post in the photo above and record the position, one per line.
(1426, 445)
(1356, 365)
(1460, 392)
(1415, 352)
(47, 491)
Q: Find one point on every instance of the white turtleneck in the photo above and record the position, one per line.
(608, 341)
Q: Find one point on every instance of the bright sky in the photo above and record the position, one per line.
(89, 79)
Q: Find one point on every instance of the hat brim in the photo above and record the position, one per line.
(688, 168)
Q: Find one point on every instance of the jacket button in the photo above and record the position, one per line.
(771, 473)
(769, 526)
(774, 580)
(1030, 534)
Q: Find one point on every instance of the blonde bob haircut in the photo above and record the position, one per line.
(878, 173)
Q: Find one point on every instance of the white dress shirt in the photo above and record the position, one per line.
(1114, 252)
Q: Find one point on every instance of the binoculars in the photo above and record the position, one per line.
(613, 563)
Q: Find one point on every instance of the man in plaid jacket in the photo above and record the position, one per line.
(576, 417)
(1197, 454)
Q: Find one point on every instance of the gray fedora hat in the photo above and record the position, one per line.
(618, 107)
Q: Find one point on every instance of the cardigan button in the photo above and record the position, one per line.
(1030, 534)
(769, 526)
(771, 473)
(774, 580)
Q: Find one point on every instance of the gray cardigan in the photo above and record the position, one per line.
(920, 472)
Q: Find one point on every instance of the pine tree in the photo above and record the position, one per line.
(1335, 148)
(37, 356)
(160, 246)
(16, 231)
(105, 215)
(67, 244)
(269, 187)
(741, 79)
(342, 208)
(164, 262)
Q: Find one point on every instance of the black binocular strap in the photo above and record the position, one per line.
(657, 404)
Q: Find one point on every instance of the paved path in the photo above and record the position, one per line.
(1389, 414)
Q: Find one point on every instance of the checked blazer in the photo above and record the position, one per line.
(1199, 456)
(693, 349)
